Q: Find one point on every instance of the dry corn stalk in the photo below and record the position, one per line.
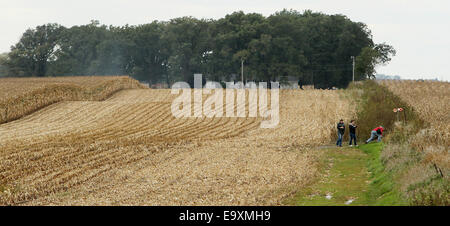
(431, 99)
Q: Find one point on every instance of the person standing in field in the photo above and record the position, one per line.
(341, 130)
(300, 84)
(377, 132)
(352, 131)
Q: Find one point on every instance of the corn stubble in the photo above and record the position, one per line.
(130, 150)
(22, 96)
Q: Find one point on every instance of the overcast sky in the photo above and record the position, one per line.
(418, 29)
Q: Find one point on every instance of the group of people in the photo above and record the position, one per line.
(375, 133)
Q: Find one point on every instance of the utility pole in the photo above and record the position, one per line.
(242, 72)
(353, 72)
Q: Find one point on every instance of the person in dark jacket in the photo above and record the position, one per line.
(377, 132)
(341, 130)
(300, 84)
(352, 131)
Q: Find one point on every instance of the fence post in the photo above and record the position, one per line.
(404, 113)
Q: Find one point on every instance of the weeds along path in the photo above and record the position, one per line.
(431, 100)
(130, 150)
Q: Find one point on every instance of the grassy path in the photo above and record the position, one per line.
(349, 176)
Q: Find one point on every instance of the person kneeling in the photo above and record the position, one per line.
(377, 132)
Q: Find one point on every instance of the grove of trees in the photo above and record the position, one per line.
(313, 47)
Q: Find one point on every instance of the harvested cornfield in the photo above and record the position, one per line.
(21, 96)
(431, 100)
(131, 150)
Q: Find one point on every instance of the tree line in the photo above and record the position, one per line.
(312, 47)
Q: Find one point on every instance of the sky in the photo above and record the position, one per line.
(418, 29)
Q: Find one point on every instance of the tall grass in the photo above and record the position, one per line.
(376, 108)
(417, 179)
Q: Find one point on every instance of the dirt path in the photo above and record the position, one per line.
(344, 179)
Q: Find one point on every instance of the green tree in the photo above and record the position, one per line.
(4, 71)
(370, 57)
(313, 47)
(146, 52)
(111, 56)
(78, 49)
(32, 54)
(190, 49)
(231, 37)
